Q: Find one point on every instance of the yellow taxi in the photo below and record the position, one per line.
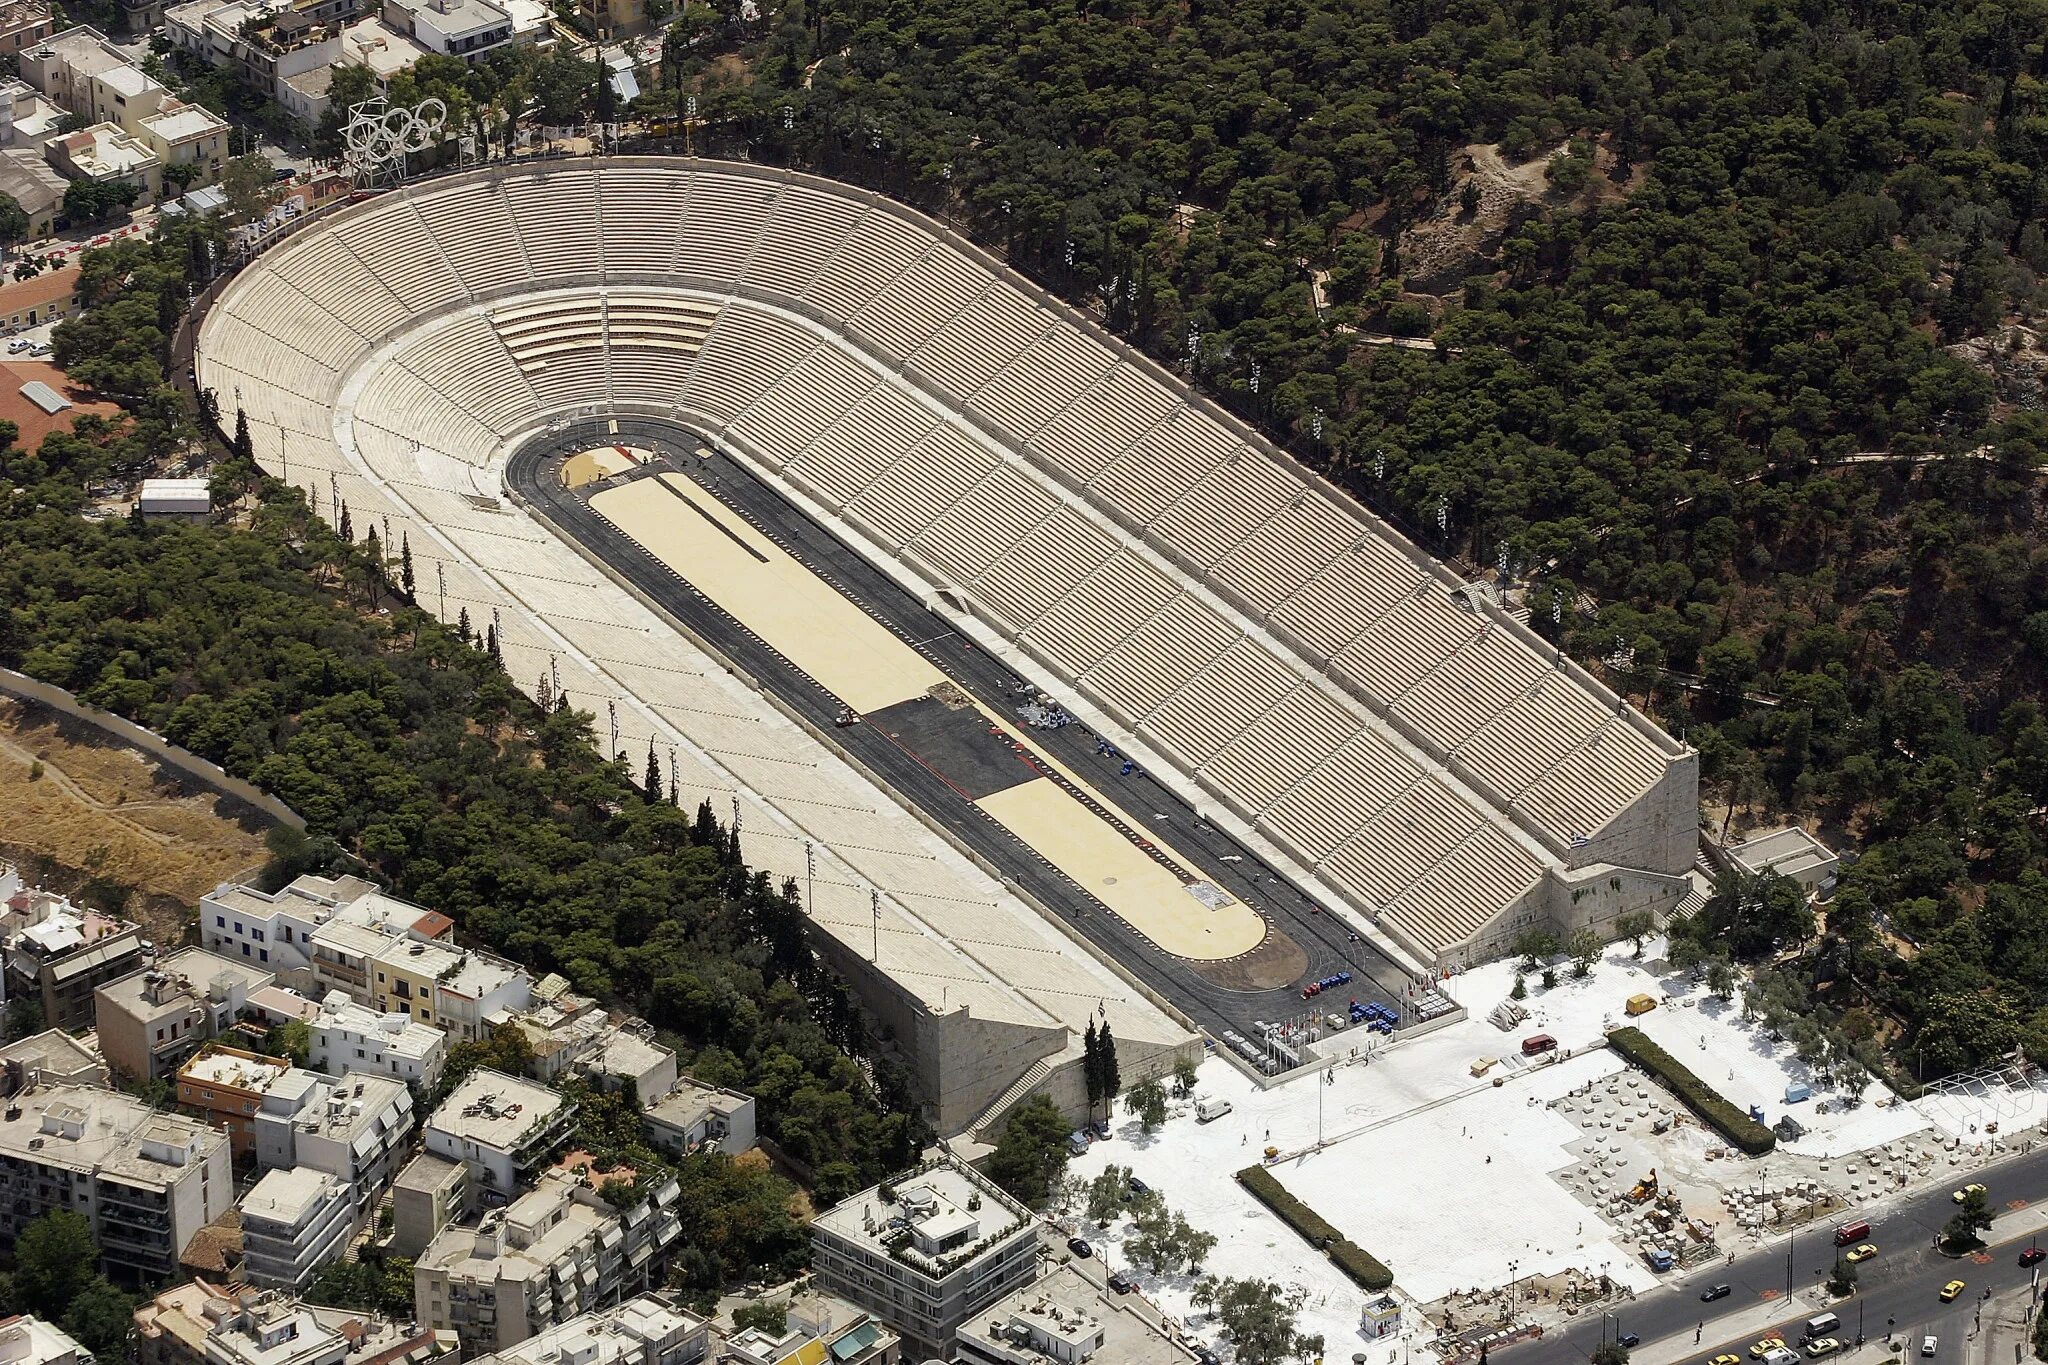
(1726, 1360)
(1963, 1194)
(1951, 1290)
(1862, 1253)
(1768, 1344)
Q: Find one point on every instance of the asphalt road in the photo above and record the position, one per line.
(1141, 802)
(1896, 1289)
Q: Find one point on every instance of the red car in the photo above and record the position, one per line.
(2033, 1256)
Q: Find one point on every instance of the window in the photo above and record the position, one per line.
(245, 950)
(264, 955)
(238, 926)
(257, 934)
(220, 921)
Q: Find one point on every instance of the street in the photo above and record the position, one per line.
(1779, 1286)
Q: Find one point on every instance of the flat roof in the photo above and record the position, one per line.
(1066, 1307)
(495, 1110)
(427, 1172)
(230, 1070)
(933, 1199)
(113, 1131)
(287, 1195)
(1790, 850)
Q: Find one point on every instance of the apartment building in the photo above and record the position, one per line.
(926, 1251)
(464, 29)
(27, 178)
(556, 1251)
(146, 1181)
(263, 43)
(348, 1036)
(138, 126)
(28, 121)
(58, 953)
(294, 1222)
(505, 1129)
(53, 1057)
(227, 1086)
(356, 1129)
(151, 1021)
(201, 1323)
(572, 1034)
(482, 986)
(1064, 1318)
(24, 23)
(695, 1116)
(650, 1329)
(816, 1328)
(429, 1194)
(274, 929)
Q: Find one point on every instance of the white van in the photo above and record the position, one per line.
(1207, 1110)
(1822, 1325)
(1782, 1355)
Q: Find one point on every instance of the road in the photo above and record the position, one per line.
(1897, 1288)
(1142, 803)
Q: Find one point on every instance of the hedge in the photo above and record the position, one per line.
(1743, 1132)
(1354, 1260)
(1361, 1265)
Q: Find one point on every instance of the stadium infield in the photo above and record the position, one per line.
(1262, 984)
(860, 661)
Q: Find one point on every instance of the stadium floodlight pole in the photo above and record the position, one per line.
(441, 588)
(875, 909)
(810, 875)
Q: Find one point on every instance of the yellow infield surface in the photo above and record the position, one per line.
(602, 463)
(863, 663)
(808, 621)
(1147, 896)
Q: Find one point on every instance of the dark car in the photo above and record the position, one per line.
(1122, 1283)
(1079, 1246)
(1207, 1356)
(2033, 1256)
(1139, 1187)
(1715, 1291)
(1629, 1341)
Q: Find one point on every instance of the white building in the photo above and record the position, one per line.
(945, 1244)
(294, 1222)
(695, 1116)
(650, 1329)
(146, 1181)
(31, 1341)
(481, 987)
(350, 1037)
(1064, 1318)
(275, 930)
(502, 1127)
(573, 1035)
(355, 1129)
(175, 498)
(464, 29)
(1790, 852)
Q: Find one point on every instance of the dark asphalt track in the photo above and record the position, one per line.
(1137, 800)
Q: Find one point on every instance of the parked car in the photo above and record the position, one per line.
(1139, 1187)
(1629, 1341)
(1122, 1283)
(1079, 1246)
(1822, 1346)
(1715, 1291)
(18, 345)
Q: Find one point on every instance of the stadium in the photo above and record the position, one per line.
(1061, 693)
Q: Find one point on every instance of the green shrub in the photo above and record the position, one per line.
(1292, 1211)
(1361, 1265)
(1354, 1260)
(1744, 1133)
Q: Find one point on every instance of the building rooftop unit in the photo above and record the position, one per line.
(349, 1107)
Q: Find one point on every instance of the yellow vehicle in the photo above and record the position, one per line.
(1771, 1343)
(1640, 1004)
(1862, 1253)
(1966, 1191)
(1951, 1290)
(1725, 1360)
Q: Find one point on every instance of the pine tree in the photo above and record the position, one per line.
(373, 550)
(344, 527)
(462, 626)
(405, 563)
(491, 643)
(245, 444)
(544, 694)
(705, 831)
(651, 787)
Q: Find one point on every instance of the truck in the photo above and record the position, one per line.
(1209, 1110)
